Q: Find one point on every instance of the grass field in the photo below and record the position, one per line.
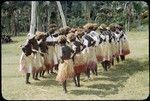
(126, 80)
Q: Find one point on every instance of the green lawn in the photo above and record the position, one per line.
(126, 80)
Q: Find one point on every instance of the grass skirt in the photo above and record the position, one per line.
(47, 62)
(91, 58)
(38, 62)
(115, 49)
(79, 63)
(98, 51)
(124, 47)
(107, 51)
(65, 71)
(52, 57)
(26, 63)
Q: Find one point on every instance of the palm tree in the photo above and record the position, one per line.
(61, 14)
(33, 17)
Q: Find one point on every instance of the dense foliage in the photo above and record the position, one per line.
(16, 15)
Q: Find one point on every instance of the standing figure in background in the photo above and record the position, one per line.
(106, 47)
(79, 61)
(89, 42)
(41, 37)
(26, 61)
(123, 42)
(114, 43)
(37, 58)
(66, 67)
(50, 40)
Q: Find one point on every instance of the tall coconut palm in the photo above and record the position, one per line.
(33, 17)
(61, 14)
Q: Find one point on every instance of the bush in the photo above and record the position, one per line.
(76, 22)
(145, 21)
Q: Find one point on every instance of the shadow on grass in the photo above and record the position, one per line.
(127, 67)
(99, 93)
(12, 42)
(117, 74)
(48, 81)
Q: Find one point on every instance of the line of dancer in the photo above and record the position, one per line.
(69, 52)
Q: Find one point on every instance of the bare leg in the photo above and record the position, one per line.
(40, 73)
(36, 75)
(117, 58)
(43, 73)
(56, 67)
(108, 64)
(88, 72)
(122, 57)
(112, 62)
(104, 65)
(64, 86)
(93, 71)
(48, 71)
(96, 71)
(74, 78)
(78, 80)
(27, 78)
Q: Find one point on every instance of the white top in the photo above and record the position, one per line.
(107, 38)
(117, 36)
(73, 46)
(85, 42)
(59, 52)
(125, 36)
(102, 36)
(55, 38)
(51, 39)
(95, 36)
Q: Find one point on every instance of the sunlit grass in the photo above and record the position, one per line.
(126, 80)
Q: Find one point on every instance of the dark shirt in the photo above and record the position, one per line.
(27, 49)
(105, 33)
(90, 40)
(78, 46)
(101, 39)
(121, 36)
(34, 43)
(66, 52)
(43, 47)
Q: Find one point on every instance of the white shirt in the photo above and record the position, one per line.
(95, 36)
(73, 46)
(107, 38)
(117, 36)
(59, 52)
(85, 42)
(49, 38)
(102, 36)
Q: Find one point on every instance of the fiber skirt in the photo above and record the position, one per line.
(116, 49)
(65, 71)
(37, 60)
(79, 64)
(107, 52)
(26, 63)
(124, 50)
(99, 52)
(51, 50)
(48, 64)
(91, 58)
(85, 55)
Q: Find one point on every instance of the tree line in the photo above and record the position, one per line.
(16, 15)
